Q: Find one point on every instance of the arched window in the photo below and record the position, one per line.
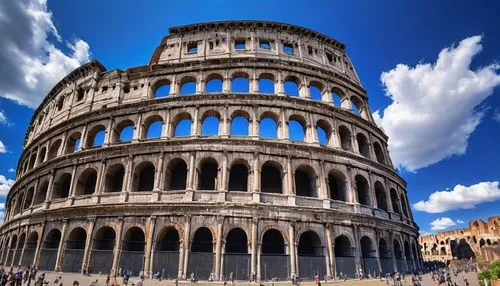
(337, 97)
(114, 178)
(182, 125)
(268, 127)
(271, 178)
(176, 176)
(403, 205)
(214, 83)
(357, 105)
(73, 142)
(144, 177)
(273, 242)
(41, 192)
(364, 147)
(238, 178)
(305, 182)
(49, 250)
(296, 128)
(363, 190)
(60, 104)
(310, 244)
(152, 127)
(324, 131)
(291, 86)
(381, 196)
(343, 247)
(202, 240)
(210, 125)
(168, 240)
(41, 155)
(345, 138)
(378, 153)
(337, 185)
(86, 182)
(61, 186)
(32, 161)
(207, 177)
(315, 91)
(188, 86)
(54, 149)
(236, 241)
(133, 246)
(239, 124)
(124, 131)
(75, 245)
(240, 83)
(96, 136)
(398, 252)
(395, 201)
(162, 89)
(29, 198)
(102, 250)
(266, 83)
(166, 252)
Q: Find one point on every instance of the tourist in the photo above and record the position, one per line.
(140, 282)
(76, 283)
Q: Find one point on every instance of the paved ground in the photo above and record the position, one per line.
(67, 280)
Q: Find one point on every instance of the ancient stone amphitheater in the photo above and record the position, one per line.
(243, 147)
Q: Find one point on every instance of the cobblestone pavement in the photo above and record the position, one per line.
(68, 278)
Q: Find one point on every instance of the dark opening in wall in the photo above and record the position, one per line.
(305, 184)
(202, 240)
(273, 242)
(62, 186)
(114, 178)
(343, 247)
(270, 179)
(236, 241)
(87, 182)
(208, 175)
(144, 177)
(310, 244)
(363, 190)
(381, 195)
(238, 178)
(264, 44)
(288, 48)
(168, 240)
(176, 175)
(337, 186)
(345, 138)
(192, 48)
(134, 240)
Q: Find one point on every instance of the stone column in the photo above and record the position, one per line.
(279, 85)
(377, 253)
(127, 180)
(254, 124)
(191, 173)
(72, 186)
(218, 248)
(62, 247)
(292, 249)
(118, 247)
(254, 254)
(138, 129)
(393, 254)
(331, 267)
(83, 139)
(165, 130)
(48, 195)
(38, 245)
(158, 186)
(149, 245)
(109, 132)
(290, 188)
(100, 185)
(195, 125)
(24, 246)
(358, 254)
(187, 230)
(88, 245)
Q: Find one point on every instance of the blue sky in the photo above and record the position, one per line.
(378, 35)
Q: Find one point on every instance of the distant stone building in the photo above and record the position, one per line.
(241, 197)
(479, 239)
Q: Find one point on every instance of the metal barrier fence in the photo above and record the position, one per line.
(28, 256)
(238, 264)
(201, 264)
(168, 260)
(387, 265)
(310, 266)
(73, 259)
(132, 261)
(101, 261)
(48, 258)
(346, 266)
(274, 266)
(370, 266)
(401, 265)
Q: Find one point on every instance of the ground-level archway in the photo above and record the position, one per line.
(132, 252)
(48, 252)
(101, 259)
(75, 249)
(274, 262)
(398, 253)
(344, 257)
(166, 254)
(201, 257)
(385, 257)
(236, 256)
(29, 249)
(368, 252)
(312, 260)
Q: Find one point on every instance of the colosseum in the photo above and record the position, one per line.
(481, 241)
(244, 149)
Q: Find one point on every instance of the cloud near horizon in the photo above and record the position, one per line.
(31, 63)
(434, 105)
(442, 223)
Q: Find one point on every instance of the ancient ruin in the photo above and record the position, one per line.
(251, 150)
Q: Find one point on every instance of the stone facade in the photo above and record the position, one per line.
(248, 205)
(480, 239)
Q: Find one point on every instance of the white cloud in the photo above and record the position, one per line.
(3, 149)
(434, 106)
(442, 223)
(5, 185)
(461, 197)
(423, 232)
(31, 63)
(460, 221)
(496, 115)
(11, 170)
(2, 206)
(3, 118)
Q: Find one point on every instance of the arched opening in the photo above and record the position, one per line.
(176, 175)
(268, 127)
(385, 257)
(345, 138)
(240, 124)
(464, 250)
(311, 256)
(337, 186)
(379, 153)
(344, 257)
(442, 251)
(273, 260)
(297, 128)
(381, 196)
(207, 176)
(266, 83)
(123, 131)
(363, 146)
(315, 91)
(114, 178)
(398, 253)
(144, 177)
(61, 186)
(54, 149)
(271, 178)
(19, 249)
(32, 161)
(101, 259)
(201, 256)
(236, 257)
(96, 136)
(12, 251)
(415, 257)
(166, 256)
(368, 252)
(363, 190)
(29, 249)
(403, 205)
(357, 105)
(153, 126)
(395, 201)
(188, 86)
(291, 86)
(409, 261)
(305, 182)
(132, 256)
(162, 89)
(29, 198)
(41, 155)
(210, 124)
(182, 125)
(324, 132)
(214, 83)
(337, 97)
(73, 143)
(48, 251)
(238, 178)
(41, 193)
(75, 248)
(240, 83)
(86, 182)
